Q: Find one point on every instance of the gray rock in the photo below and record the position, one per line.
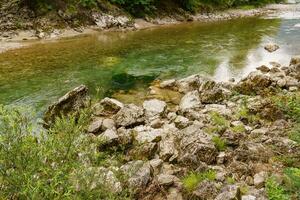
(295, 60)
(165, 179)
(95, 126)
(167, 149)
(259, 179)
(229, 192)
(196, 146)
(71, 102)
(190, 83)
(206, 190)
(181, 122)
(174, 194)
(154, 107)
(157, 123)
(129, 115)
(141, 177)
(147, 134)
(108, 124)
(168, 83)
(107, 107)
(109, 136)
(190, 101)
(248, 197)
(271, 47)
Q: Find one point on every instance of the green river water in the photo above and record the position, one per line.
(112, 61)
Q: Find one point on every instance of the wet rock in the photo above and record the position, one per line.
(107, 107)
(154, 107)
(206, 190)
(295, 60)
(71, 102)
(168, 83)
(271, 47)
(229, 192)
(129, 115)
(263, 69)
(95, 126)
(259, 179)
(190, 101)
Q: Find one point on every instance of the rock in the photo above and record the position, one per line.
(141, 177)
(154, 107)
(248, 197)
(168, 83)
(157, 123)
(165, 179)
(108, 21)
(156, 164)
(174, 194)
(95, 126)
(295, 60)
(259, 179)
(71, 102)
(96, 177)
(271, 47)
(129, 115)
(221, 158)
(190, 101)
(125, 136)
(196, 146)
(109, 136)
(181, 122)
(229, 192)
(206, 190)
(263, 69)
(171, 116)
(108, 124)
(147, 134)
(254, 82)
(107, 107)
(190, 83)
(167, 149)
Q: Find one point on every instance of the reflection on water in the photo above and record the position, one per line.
(107, 62)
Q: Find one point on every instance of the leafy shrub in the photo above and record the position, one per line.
(39, 164)
(275, 191)
(136, 7)
(293, 179)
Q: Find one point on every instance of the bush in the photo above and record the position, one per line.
(40, 164)
(275, 191)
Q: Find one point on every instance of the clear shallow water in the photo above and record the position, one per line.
(107, 62)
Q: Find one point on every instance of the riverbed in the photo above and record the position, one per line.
(114, 63)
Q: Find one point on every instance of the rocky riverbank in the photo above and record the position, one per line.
(218, 140)
(17, 26)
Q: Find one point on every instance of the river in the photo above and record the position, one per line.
(111, 63)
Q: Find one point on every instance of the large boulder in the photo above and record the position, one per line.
(190, 101)
(196, 146)
(154, 107)
(71, 102)
(107, 107)
(129, 115)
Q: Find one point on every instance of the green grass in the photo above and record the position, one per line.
(238, 129)
(191, 181)
(219, 143)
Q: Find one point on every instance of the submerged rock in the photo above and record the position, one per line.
(71, 102)
(271, 47)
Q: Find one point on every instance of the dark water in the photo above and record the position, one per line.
(108, 62)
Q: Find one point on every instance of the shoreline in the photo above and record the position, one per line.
(28, 37)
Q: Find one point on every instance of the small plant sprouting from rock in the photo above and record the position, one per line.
(191, 181)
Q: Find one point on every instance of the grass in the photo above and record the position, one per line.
(238, 129)
(191, 181)
(219, 143)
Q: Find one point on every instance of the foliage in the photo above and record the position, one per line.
(290, 105)
(219, 143)
(39, 164)
(191, 181)
(293, 179)
(275, 191)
